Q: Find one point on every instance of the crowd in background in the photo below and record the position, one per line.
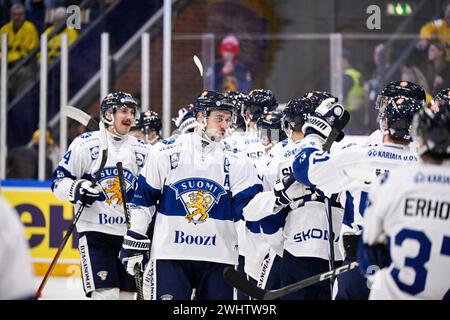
(427, 64)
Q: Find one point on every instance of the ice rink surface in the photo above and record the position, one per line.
(61, 288)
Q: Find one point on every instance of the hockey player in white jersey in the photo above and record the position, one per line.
(16, 275)
(296, 230)
(393, 89)
(248, 142)
(407, 221)
(198, 187)
(351, 169)
(102, 224)
(147, 127)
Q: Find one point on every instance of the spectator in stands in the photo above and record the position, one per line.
(354, 96)
(382, 62)
(437, 29)
(54, 33)
(22, 35)
(22, 162)
(438, 71)
(22, 39)
(230, 74)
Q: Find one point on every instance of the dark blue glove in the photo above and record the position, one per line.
(372, 255)
(377, 254)
(135, 251)
(82, 193)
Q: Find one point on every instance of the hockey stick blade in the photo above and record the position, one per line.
(199, 65)
(80, 116)
(239, 281)
(337, 130)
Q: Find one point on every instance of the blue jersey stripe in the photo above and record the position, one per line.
(241, 199)
(301, 166)
(145, 195)
(349, 210)
(274, 222)
(363, 203)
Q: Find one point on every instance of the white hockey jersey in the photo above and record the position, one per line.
(82, 160)
(411, 206)
(199, 189)
(302, 228)
(351, 168)
(16, 275)
(251, 243)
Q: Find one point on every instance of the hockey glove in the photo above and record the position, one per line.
(82, 193)
(321, 122)
(377, 254)
(287, 189)
(135, 251)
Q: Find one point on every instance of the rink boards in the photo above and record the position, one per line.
(45, 219)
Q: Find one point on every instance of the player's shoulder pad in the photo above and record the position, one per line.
(170, 143)
(137, 143)
(87, 140)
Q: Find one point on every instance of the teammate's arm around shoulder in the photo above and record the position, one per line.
(244, 183)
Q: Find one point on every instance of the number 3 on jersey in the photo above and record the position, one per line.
(418, 262)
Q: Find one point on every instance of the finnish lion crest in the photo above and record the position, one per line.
(198, 196)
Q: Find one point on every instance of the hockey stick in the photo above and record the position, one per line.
(334, 134)
(199, 65)
(239, 281)
(104, 149)
(123, 190)
(82, 117)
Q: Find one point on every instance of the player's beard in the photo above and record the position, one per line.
(215, 135)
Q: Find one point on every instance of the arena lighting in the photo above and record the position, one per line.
(399, 9)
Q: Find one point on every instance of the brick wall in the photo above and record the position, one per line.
(186, 81)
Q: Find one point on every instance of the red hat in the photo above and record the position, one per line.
(230, 43)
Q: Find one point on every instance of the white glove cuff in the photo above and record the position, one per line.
(135, 244)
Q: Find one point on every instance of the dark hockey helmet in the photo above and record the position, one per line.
(213, 100)
(397, 115)
(317, 97)
(186, 121)
(295, 113)
(240, 99)
(431, 127)
(148, 121)
(269, 126)
(406, 89)
(260, 101)
(116, 100)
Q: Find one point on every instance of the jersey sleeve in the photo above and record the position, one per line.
(244, 185)
(325, 170)
(73, 165)
(148, 191)
(377, 207)
(263, 203)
